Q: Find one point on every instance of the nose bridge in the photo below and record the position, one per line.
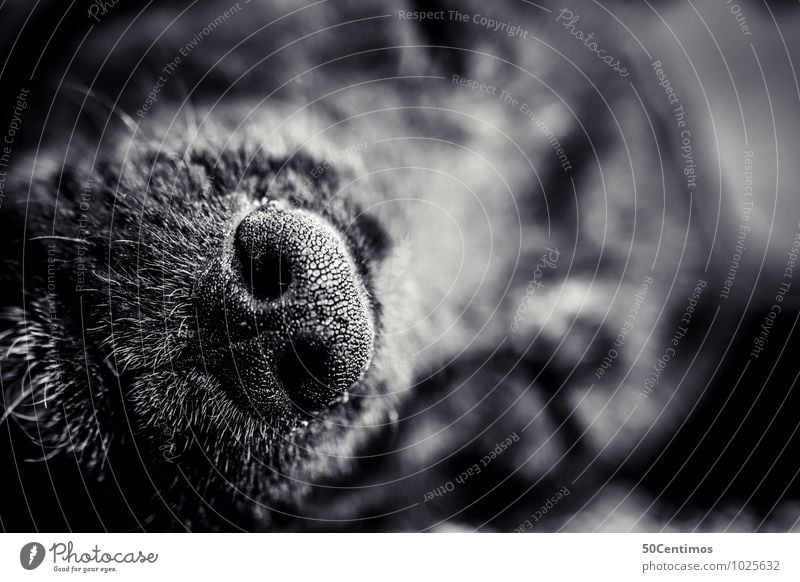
(286, 310)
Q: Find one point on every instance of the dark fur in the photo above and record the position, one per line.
(137, 435)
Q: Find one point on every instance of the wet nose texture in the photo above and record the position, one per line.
(286, 324)
(259, 248)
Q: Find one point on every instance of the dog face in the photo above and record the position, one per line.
(270, 298)
(296, 278)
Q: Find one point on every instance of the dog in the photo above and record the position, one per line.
(372, 266)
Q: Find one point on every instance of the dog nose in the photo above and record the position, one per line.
(284, 312)
(264, 254)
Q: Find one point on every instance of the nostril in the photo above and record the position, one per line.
(267, 277)
(265, 267)
(305, 372)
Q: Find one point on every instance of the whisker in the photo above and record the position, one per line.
(126, 119)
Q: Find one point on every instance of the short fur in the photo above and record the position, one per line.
(111, 225)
